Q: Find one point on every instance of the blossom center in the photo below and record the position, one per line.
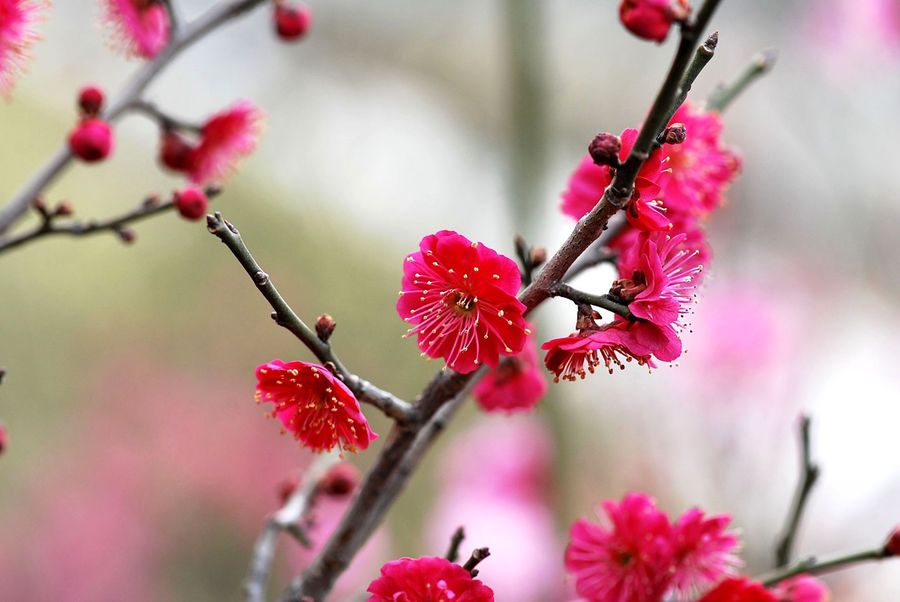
(462, 302)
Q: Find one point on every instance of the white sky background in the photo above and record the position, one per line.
(392, 114)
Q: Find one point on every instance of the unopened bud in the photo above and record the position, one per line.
(175, 152)
(537, 256)
(127, 235)
(325, 325)
(675, 134)
(604, 149)
(90, 100)
(586, 317)
(152, 200)
(64, 209)
(3, 438)
(340, 480)
(892, 545)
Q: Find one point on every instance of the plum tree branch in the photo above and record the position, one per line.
(602, 301)
(809, 475)
(723, 95)
(182, 38)
(51, 226)
(813, 566)
(284, 316)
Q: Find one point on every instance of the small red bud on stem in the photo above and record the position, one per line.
(325, 326)
(604, 149)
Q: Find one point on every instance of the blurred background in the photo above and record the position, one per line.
(138, 466)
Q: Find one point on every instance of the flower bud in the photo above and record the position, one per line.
(651, 19)
(174, 151)
(191, 203)
(892, 545)
(4, 437)
(92, 140)
(127, 235)
(90, 100)
(64, 209)
(325, 325)
(675, 134)
(291, 22)
(287, 487)
(340, 480)
(537, 256)
(604, 149)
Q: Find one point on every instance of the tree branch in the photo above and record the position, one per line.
(182, 38)
(163, 119)
(50, 225)
(455, 541)
(722, 96)
(286, 317)
(602, 301)
(809, 475)
(812, 566)
(285, 519)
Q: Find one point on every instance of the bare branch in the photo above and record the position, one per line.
(809, 475)
(455, 541)
(813, 566)
(723, 95)
(602, 301)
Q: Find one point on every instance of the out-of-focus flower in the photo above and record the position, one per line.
(802, 588)
(629, 561)
(17, 20)
(845, 31)
(892, 545)
(516, 384)
(139, 27)
(291, 21)
(340, 480)
(702, 167)
(225, 138)
(90, 100)
(316, 407)
(652, 19)
(659, 280)
(91, 140)
(739, 589)
(587, 183)
(429, 578)
(460, 297)
(191, 203)
(175, 151)
(704, 552)
(4, 438)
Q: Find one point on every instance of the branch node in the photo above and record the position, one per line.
(478, 555)
(261, 278)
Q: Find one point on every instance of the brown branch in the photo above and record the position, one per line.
(809, 475)
(602, 301)
(182, 38)
(814, 566)
(286, 519)
(478, 555)
(286, 317)
(163, 119)
(455, 541)
(50, 225)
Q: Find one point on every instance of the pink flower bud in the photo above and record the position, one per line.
(64, 209)
(191, 203)
(90, 100)
(175, 152)
(651, 19)
(92, 140)
(892, 545)
(291, 22)
(340, 480)
(675, 134)
(4, 437)
(604, 149)
(127, 235)
(325, 325)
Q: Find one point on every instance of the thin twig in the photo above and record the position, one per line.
(812, 566)
(455, 541)
(809, 475)
(165, 121)
(595, 255)
(187, 35)
(759, 65)
(51, 226)
(478, 555)
(286, 519)
(601, 301)
(286, 317)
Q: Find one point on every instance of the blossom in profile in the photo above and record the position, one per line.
(705, 552)
(572, 357)
(516, 384)
(314, 405)
(139, 27)
(17, 20)
(629, 559)
(652, 19)
(225, 138)
(702, 167)
(660, 279)
(739, 589)
(589, 180)
(460, 298)
(428, 579)
(802, 588)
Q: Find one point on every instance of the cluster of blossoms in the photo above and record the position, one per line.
(641, 556)
(17, 19)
